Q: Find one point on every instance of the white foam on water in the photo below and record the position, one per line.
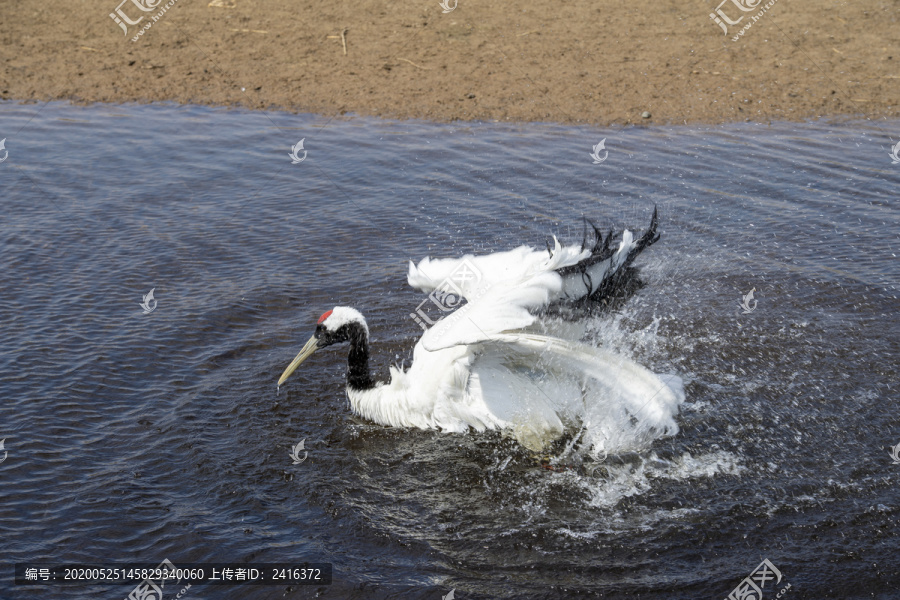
(633, 408)
(628, 480)
(619, 523)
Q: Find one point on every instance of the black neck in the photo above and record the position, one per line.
(358, 361)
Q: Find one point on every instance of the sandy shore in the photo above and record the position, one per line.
(588, 62)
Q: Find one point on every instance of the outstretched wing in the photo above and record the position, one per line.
(496, 309)
(620, 404)
(471, 275)
(504, 290)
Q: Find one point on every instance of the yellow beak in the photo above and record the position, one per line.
(311, 346)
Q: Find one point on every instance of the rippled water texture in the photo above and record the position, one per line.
(139, 437)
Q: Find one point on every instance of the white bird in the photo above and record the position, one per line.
(492, 364)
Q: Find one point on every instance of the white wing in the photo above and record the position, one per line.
(620, 404)
(507, 288)
(501, 308)
(472, 275)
